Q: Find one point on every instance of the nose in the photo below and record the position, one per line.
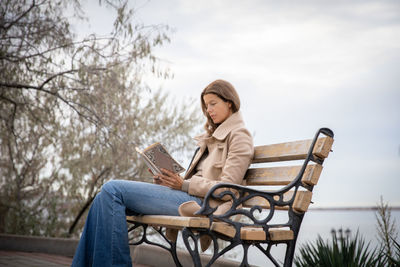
(209, 109)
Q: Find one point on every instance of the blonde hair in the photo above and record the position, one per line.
(227, 93)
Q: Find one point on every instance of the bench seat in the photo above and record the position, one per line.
(176, 222)
(246, 233)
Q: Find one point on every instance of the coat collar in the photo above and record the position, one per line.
(234, 121)
(228, 125)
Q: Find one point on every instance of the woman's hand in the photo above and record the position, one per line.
(170, 179)
(156, 179)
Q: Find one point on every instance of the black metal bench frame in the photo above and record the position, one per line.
(191, 235)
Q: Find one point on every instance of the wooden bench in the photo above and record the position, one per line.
(256, 204)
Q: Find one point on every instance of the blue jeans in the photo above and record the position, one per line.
(104, 240)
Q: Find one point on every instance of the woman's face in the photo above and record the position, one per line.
(217, 109)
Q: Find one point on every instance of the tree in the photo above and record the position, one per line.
(72, 109)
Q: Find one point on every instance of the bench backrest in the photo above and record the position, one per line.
(284, 175)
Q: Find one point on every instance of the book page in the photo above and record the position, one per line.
(149, 163)
(157, 156)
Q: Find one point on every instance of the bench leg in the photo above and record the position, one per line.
(291, 245)
(174, 255)
(245, 262)
(194, 253)
(289, 253)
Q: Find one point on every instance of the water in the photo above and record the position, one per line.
(321, 222)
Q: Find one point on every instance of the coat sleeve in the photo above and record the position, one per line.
(240, 154)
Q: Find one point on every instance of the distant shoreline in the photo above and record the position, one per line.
(371, 208)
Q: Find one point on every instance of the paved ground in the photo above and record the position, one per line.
(19, 259)
(34, 251)
(34, 259)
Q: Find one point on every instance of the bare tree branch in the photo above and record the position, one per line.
(6, 27)
(69, 108)
(56, 94)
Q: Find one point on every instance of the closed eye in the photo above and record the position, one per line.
(211, 104)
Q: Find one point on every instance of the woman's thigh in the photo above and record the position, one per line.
(148, 198)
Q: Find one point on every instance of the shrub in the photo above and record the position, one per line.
(340, 251)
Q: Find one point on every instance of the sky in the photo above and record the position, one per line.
(297, 66)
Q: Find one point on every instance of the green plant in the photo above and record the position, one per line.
(387, 235)
(395, 259)
(340, 251)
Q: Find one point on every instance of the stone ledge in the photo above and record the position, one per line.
(57, 246)
(142, 255)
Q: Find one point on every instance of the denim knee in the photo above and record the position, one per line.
(112, 187)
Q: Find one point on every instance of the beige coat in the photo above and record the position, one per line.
(230, 151)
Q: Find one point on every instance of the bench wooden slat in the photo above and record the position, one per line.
(280, 234)
(171, 221)
(301, 201)
(223, 228)
(282, 175)
(253, 233)
(296, 150)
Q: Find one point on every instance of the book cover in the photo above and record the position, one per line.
(157, 157)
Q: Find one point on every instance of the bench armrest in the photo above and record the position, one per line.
(238, 195)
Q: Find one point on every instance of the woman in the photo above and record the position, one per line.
(225, 152)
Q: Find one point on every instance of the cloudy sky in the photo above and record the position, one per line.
(298, 66)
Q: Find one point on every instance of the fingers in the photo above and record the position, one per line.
(161, 179)
(168, 175)
(168, 172)
(156, 180)
(166, 178)
(168, 183)
(170, 179)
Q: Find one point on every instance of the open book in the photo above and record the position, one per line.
(157, 157)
